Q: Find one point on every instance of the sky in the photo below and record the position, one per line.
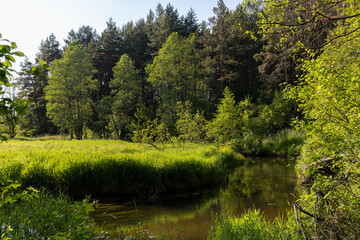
(27, 22)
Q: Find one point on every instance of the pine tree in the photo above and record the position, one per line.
(33, 85)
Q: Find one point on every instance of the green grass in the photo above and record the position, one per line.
(285, 143)
(105, 167)
(253, 226)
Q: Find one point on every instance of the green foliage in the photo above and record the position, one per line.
(255, 130)
(190, 127)
(227, 53)
(33, 214)
(68, 94)
(175, 75)
(224, 127)
(153, 132)
(126, 89)
(9, 109)
(12, 113)
(328, 98)
(252, 226)
(272, 118)
(287, 142)
(114, 167)
(32, 81)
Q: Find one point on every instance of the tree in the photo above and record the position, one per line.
(15, 108)
(69, 91)
(176, 76)
(83, 36)
(165, 23)
(108, 52)
(215, 48)
(228, 51)
(126, 91)
(224, 126)
(294, 31)
(33, 79)
(328, 97)
(49, 50)
(7, 106)
(190, 127)
(190, 23)
(135, 42)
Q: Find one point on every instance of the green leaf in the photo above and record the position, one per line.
(10, 58)
(35, 68)
(13, 45)
(19, 54)
(5, 49)
(42, 62)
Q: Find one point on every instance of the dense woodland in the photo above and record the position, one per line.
(158, 78)
(246, 76)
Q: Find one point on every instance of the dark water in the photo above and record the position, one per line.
(262, 183)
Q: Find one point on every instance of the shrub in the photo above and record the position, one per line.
(30, 214)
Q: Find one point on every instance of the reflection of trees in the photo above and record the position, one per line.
(258, 185)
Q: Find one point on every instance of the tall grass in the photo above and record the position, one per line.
(253, 226)
(103, 167)
(286, 143)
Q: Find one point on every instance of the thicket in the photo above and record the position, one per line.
(322, 37)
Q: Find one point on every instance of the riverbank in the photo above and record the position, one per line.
(115, 168)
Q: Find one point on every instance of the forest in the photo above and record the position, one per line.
(278, 78)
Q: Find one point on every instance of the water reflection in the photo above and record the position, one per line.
(262, 183)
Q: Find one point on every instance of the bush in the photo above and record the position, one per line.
(30, 214)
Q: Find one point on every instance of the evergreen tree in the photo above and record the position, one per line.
(228, 51)
(292, 31)
(32, 84)
(83, 36)
(108, 52)
(49, 50)
(165, 23)
(135, 42)
(190, 23)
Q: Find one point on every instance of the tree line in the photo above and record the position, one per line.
(125, 80)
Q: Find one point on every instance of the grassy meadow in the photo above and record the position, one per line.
(108, 168)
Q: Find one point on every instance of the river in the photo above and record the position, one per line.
(267, 184)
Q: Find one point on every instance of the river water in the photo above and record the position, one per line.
(267, 184)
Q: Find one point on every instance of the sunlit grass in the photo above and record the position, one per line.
(104, 167)
(253, 226)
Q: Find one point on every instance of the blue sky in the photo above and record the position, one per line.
(27, 22)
